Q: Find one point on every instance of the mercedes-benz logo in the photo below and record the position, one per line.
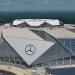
(30, 49)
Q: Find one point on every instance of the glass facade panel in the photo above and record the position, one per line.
(69, 43)
(15, 60)
(73, 40)
(7, 59)
(61, 40)
(67, 40)
(1, 58)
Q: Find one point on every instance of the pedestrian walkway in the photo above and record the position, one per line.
(16, 70)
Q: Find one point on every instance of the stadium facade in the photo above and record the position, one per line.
(38, 43)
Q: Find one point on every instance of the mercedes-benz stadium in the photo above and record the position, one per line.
(38, 47)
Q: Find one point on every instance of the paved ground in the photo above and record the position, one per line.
(16, 70)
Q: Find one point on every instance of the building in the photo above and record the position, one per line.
(47, 46)
(35, 22)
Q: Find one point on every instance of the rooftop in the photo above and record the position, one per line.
(36, 22)
(20, 33)
(38, 39)
(66, 31)
(61, 33)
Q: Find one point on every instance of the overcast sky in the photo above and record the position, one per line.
(37, 5)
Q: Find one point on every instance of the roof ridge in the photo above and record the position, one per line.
(62, 45)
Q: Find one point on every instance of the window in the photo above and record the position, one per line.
(69, 43)
(1, 58)
(7, 59)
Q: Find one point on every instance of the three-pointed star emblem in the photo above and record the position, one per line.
(30, 49)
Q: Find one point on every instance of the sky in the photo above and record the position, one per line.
(37, 5)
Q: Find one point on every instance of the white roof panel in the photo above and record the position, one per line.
(17, 22)
(27, 44)
(29, 50)
(34, 22)
(20, 33)
(61, 33)
(52, 22)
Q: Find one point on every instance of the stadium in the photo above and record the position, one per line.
(38, 47)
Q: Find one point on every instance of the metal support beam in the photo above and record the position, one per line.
(56, 62)
(70, 59)
(63, 60)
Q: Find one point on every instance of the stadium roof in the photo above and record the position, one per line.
(23, 39)
(20, 33)
(36, 22)
(61, 33)
(40, 40)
